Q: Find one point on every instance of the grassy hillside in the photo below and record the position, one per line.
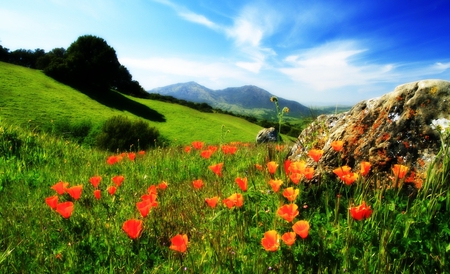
(29, 97)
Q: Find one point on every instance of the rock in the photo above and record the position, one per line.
(267, 135)
(396, 128)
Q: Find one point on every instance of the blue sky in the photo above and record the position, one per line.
(314, 52)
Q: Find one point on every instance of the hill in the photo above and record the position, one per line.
(246, 100)
(30, 98)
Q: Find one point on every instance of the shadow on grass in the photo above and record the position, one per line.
(118, 101)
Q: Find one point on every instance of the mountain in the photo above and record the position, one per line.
(246, 100)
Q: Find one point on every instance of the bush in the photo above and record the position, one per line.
(120, 133)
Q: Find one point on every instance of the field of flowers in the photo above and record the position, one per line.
(211, 208)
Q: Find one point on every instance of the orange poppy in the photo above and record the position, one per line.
(308, 173)
(365, 168)
(301, 228)
(141, 152)
(288, 212)
(297, 167)
(75, 191)
(52, 201)
(290, 193)
(360, 212)
(206, 154)
(217, 169)
(212, 148)
(95, 180)
(151, 199)
(341, 171)
(133, 228)
(287, 165)
(113, 159)
(315, 154)
(187, 149)
(400, 171)
(60, 187)
(197, 184)
(272, 167)
(97, 194)
(235, 199)
(144, 207)
(163, 185)
(197, 145)
(212, 202)
(289, 238)
(65, 209)
(296, 177)
(227, 149)
(111, 190)
(117, 180)
(271, 240)
(337, 145)
(131, 156)
(152, 190)
(179, 243)
(242, 182)
(349, 178)
(259, 167)
(275, 184)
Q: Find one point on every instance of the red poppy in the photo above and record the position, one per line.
(217, 169)
(301, 228)
(75, 191)
(141, 152)
(117, 180)
(197, 145)
(212, 202)
(131, 156)
(400, 171)
(197, 184)
(337, 145)
(144, 207)
(60, 187)
(52, 201)
(65, 209)
(133, 228)
(242, 182)
(151, 199)
(179, 243)
(272, 167)
(152, 190)
(97, 194)
(111, 190)
(95, 180)
(287, 165)
(289, 238)
(206, 154)
(113, 159)
(290, 193)
(227, 149)
(275, 184)
(315, 154)
(212, 148)
(365, 168)
(288, 212)
(259, 167)
(187, 149)
(163, 185)
(271, 240)
(235, 199)
(360, 212)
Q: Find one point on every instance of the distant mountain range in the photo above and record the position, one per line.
(246, 100)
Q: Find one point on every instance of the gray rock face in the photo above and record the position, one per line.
(399, 127)
(267, 135)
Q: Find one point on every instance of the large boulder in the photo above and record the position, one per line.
(400, 127)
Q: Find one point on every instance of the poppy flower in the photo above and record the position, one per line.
(360, 212)
(187, 149)
(227, 149)
(117, 180)
(52, 201)
(365, 168)
(212, 202)
(217, 169)
(144, 207)
(297, 167)
(259, 167)
(349, 178)
(271, 240)
(301, 228)
(133, 228)
(141, 152)
(287, 165)
(197, 145)
(242, 182)
(95, 180)
(289, 238)
(197, 184)
(131, 156)
(315, 154)
(235, 199)
(60, 187)
(179, 243)
(308, 173)
(272, 167)
(341, 171)
(206, 154)
(151, 199)
(275, 184)
(279, 147)
(75, 191)
(113, 159)
(97, 194)
(400, 171)
(212, 148)
(295, 177)
(337, 145)
(290, 193)
(288, 212)
(163, 185)
(111, 190)
(65, 209)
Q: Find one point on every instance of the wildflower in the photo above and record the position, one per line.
(296, 177)
(275, 184)
(297, 167)
(197, 145)
(97, 194)
(289, 238)
(141, 152)
(150, 199)
(206, 154)
(75, 191)
(212, 148)
(242, 182)
(95, 180)
(111, 190)
(179, 243)
(287, 165)
(60, 187)
(259, 167)
(288, 212)
(227, 149)
(349, 178)
(290, 193)
(308, 173)
(271, 240)
(145, 206)
(235, 199)
(272, 167)
(131, 156)
(152, 190)
(285, 110)
(400, 171)
(187, 149)
(341, 171)
(315, 154)
(163, 185)
(301, 228)
(360, 212)
(133, 228)
(365, 168)
(217, 169)
(337, 145)
(197, 184)
(212, 202)
(65, 209)
(52, 201)
(117, 180)
(113, 159)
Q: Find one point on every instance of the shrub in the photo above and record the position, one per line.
(120, 133)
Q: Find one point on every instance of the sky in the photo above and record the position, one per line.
(316, 52)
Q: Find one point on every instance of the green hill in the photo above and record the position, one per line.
(29, 98)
